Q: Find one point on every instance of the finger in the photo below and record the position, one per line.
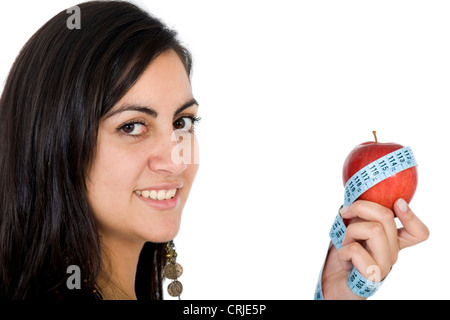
(375, 240)
(371, 211)
(414, 230)
(355, 254)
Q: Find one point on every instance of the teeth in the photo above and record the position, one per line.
(157, 195)
(170, 194)
(161, 195)
(146, 194)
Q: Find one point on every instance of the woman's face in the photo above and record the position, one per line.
(143, 171)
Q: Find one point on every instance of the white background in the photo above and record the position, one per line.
(286, 90)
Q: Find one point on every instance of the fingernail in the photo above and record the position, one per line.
(343, 210)
(402, 205)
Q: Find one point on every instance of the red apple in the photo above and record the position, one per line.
(401, 185)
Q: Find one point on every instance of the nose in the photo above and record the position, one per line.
(165, 156)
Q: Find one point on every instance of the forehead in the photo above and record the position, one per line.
(164, 83)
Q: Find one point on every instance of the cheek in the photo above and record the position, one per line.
(189, 177)
(192, 168)
(193, 161)
(191, 172)
(112, 178)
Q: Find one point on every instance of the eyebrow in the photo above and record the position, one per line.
(185, 106)
(148, 110)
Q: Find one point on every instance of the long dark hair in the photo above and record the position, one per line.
(61, 84)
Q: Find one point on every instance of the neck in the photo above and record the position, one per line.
(120, 259)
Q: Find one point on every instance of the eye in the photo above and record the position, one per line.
(133, 128)
(184, 123)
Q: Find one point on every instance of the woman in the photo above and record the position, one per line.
(89, 117)
(93, 175)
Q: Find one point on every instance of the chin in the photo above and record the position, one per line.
(162, 233)
(166, 237)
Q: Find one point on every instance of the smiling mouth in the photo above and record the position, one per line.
(157, 194)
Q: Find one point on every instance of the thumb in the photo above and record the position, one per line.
(414, 230)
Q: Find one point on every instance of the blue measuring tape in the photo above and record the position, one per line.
(377, 171)
(359, 183)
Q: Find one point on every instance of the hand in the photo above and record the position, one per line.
(372, 242)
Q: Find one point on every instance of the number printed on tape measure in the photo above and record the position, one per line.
(337, 232)
(376, 172)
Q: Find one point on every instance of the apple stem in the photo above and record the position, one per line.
(375, 135)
